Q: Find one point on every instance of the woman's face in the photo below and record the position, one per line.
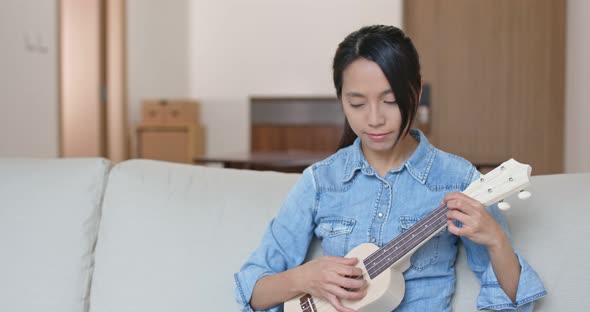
(370, 106)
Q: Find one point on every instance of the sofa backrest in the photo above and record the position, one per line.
(49, 214)
(172, 235)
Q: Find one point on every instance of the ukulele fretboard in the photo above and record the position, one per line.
(393, 251)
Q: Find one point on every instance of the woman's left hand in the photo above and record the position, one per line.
(478, 225)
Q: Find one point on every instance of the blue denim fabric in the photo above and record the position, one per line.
(343, 201)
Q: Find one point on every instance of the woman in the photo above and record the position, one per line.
(385, 177)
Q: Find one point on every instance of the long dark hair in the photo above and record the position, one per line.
(394, 52)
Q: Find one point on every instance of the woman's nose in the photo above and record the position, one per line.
(376, 117)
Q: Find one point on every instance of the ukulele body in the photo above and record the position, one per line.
(384, 292)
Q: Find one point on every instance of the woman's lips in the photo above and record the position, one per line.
(377, 136)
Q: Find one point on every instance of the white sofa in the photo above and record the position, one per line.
(81, 235)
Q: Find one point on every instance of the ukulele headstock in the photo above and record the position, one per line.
(509, 178)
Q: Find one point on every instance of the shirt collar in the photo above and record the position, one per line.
(418, 164)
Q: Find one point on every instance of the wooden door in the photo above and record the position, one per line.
(117, 126)
(497, 73)
(93, 113)
(82, 76)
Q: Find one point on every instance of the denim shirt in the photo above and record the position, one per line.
(345, 202)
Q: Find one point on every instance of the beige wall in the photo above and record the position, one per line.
(28, 78)
(267, 47)
(157, 51)
(577, 86)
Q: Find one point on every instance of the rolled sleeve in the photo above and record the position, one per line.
(245, 281)
(285, 242)
(492, 295)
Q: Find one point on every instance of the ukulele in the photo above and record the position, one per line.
(383, 267)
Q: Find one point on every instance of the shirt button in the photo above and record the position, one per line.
(386, 185)
(373, 239)
(380, 215)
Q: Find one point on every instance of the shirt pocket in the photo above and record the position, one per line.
(335, 233)
(428, 253)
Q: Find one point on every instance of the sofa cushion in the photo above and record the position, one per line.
(172, 235)
(49, 212)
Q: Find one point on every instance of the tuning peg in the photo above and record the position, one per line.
(524, 194)
(504, 205)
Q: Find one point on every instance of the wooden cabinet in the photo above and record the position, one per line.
(496, 68)
(273, 138)
(282, 124)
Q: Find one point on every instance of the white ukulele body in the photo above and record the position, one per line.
(384, 291)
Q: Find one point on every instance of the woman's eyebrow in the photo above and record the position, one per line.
(354, 94)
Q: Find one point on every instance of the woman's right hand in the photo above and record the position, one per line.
(332, 279)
